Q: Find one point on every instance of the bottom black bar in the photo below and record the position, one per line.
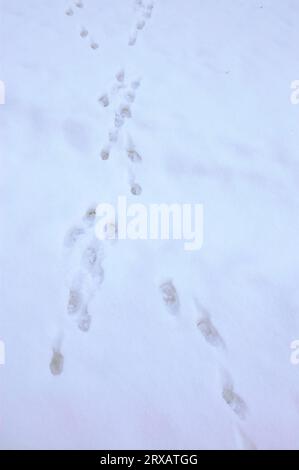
(143, 458)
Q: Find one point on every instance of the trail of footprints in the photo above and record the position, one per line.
(90, 274)
(126, 92)
(57, 361)
(170, 296)
(84, 33)
(122, 95)
(144, 12)
(206, 327)
(212, 336)
(81, 242)
(86, 253)
(233, 400)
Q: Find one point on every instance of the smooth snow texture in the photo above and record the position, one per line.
(173, 102)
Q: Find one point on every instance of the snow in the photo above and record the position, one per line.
(213, 123)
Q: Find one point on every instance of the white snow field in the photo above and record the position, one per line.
(141, 344)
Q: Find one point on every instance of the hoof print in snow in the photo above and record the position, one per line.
(84, 33)
(170, 295)
(105, 154)
(74, 302)
(56, 364)
(79, 4)
(84, 322)
(136, 189)
(104, 100)
(234, 401)
(69, 12)
(94, 46)
(134, 156)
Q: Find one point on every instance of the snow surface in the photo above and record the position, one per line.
(213, 123)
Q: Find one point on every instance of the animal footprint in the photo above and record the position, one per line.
(84, 33)
(79, 4)
(149, 10)
(94, 45)
(74, 302)
(170, 295)
(89, 257)
(133, 38)
(234, 401)
(57, 362)
(125, 111)
(140, 24)
(209, 331)
(134, 156)
(92, 256)
(120, 76)
(84, 321)
(105, 153)
(104, 100)
(69, 12)
(110, 231)
(207, 328)
(90, 215)
(136, 189)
